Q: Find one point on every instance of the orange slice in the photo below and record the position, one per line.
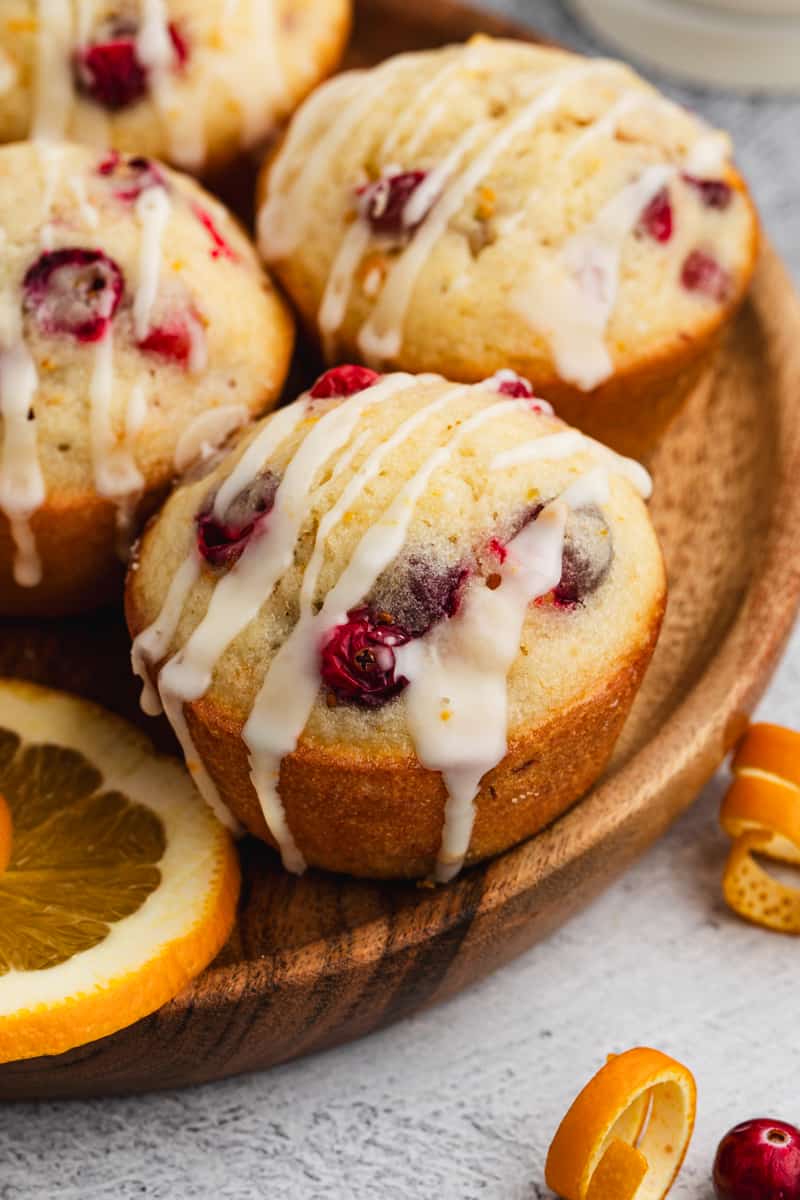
(626, 1135)
(120, 885)
(5, 834)
(761, 812)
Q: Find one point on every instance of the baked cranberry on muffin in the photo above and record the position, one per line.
(503, 204)
(399, 626)
(190, 81)
(137, 331)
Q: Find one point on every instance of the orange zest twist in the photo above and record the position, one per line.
(626, 1135)
(761, 812)
(5, 834)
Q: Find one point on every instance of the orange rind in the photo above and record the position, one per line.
(761, 812)
(626, 1135)
(120, 885)
(5, 834)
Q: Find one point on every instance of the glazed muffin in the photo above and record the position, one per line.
(499, 203)
(190, 81)
(400, 625)
(138, 331)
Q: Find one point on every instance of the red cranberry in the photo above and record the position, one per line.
(219, 247)
(135, 175)
(358, 659)
(110, 72)
(509, 383)
(172, 341)
(702, 273)
(221, 542)
(758, 1160)
(73, 291)
(497, 548)
(657, 219)
(343, 381)
(419, 593)
(383, 203)
(586, 560)
(714, 193)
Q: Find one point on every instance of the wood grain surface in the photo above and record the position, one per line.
(319, 960)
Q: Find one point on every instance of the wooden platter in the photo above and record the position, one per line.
(319, 960)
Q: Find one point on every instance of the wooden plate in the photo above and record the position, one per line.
(318, 960)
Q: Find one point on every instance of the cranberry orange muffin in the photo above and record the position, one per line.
(502, 204)
(400, 625)
(137, 331)
(189, 81)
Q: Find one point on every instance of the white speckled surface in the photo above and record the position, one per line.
(461, 1102)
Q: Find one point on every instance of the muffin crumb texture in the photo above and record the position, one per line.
(502, 204)
(137, 332)
(389, 613)
(193, 82)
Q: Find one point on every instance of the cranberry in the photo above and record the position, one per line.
(714, 193)
(172, 341)
(73, 291)
(758, 1160)
(221, 542)
(109, 70)
(343, 381)
(219, 247)
(383, 203)
(509, 383)
(419, 593)
(135, 174)
(358, 659)
(657, 218)
(702, 273)
(497, 548)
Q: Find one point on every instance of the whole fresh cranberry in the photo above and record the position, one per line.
(384, 203)
(74, 291)
(714, 193)
(343, 381)
(358, 659)
(222, 542)
(419, 593)
(131, 175)
(109, 70)
(702, 273)
(758, 1160)
(657, 219)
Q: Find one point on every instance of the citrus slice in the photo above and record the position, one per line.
(761, 812)
(605, 1149)
(120, 885)
(5, 834)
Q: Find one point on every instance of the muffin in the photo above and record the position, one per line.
(189, 81)
(400, 625)
(503, 204)
(138, 331)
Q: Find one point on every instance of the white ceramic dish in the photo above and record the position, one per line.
(716, 42)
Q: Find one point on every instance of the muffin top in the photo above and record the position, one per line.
(500, 203)
(131, 305)
(394, 567)
(189, 81)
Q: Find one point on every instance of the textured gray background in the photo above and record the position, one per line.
(461, 1102)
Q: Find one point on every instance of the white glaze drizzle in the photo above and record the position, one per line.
(381, 335)
(569, 297)
(261, 48)
(290, 687)
(457, 696)
(206, 433)
(50, 157)
(608, 124)
(22, 489)
(53, 91)
(152, 213)
(568, 442)
(286, 213)
(87, 212)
